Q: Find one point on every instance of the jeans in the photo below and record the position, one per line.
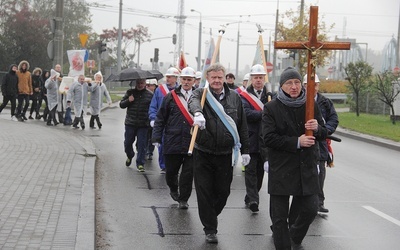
(21, 99)
(131, 135)
(7, 99)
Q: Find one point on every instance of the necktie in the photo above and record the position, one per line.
(186, 95)
(259, 92)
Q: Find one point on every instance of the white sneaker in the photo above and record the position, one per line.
(13, 118)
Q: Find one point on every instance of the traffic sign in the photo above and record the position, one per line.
(270, 67)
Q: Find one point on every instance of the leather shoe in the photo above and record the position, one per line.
(211, 238)
(183, 205)
(174, 196)
(322, 209)
(254, 206)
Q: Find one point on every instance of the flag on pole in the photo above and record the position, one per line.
(182, 61)
(207, 61)
(259, 57)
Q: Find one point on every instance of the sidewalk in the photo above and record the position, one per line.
(47, 178)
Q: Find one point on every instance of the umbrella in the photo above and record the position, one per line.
(131, 74)
(157, 74)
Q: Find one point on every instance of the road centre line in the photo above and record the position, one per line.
(383, 215)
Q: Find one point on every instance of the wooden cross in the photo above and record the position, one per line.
(312, 45)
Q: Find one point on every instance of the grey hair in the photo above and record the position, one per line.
(216, 67)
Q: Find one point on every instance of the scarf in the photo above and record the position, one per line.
(292, 102)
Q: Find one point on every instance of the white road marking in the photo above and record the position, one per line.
(383, 215)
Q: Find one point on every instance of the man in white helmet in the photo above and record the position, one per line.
(244, 83)
(197, 79)
(253, 99)
(159, 94)
(172, 127)
(331, 119)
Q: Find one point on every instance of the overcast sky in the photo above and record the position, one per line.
(368, 21)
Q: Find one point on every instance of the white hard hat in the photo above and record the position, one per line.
(151, 81)
(246, 77)
(199, 74)
(172, 72)
(189, 72)
(257, 69)
(316, 78)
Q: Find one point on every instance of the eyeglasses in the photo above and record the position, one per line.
(295, 82)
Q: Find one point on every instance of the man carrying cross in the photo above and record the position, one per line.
(291, 124)
(293, 161)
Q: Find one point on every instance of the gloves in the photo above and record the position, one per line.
(156, 144)
(245, 159)
(199, 120)
(152, 123)
(266, 166)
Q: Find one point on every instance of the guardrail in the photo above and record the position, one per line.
(335, 96)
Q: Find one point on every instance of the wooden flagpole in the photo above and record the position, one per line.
(203, 97)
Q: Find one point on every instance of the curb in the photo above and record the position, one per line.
(368, 138)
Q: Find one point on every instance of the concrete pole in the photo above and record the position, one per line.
(59, 34)
(119, 38)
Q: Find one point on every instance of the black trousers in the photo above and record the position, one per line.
(294, 223)
(23, 99)
(212, 178)
(6, 99)
(182, 181)
(253, 178)
(321, 178)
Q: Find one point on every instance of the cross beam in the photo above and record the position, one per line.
(312, 45)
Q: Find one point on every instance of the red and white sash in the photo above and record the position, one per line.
(164, 89)
(241, 89)
(183, 107)
(253, 100)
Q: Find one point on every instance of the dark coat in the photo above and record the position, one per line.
(292, 171)
(331, 119)
(253, 118)
(170, 127)
(137, 111)
(9, 86)
(36, 82)
(216, 138)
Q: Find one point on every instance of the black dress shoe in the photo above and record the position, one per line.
(322, 209)
(174, 196)
(211, 238)
(253, 206)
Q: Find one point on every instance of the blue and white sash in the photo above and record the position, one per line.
(228, 122)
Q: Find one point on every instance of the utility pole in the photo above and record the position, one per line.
(119, 38)
(274, 56)
(58, 34)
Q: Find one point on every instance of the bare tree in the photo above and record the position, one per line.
(358, 75)
(388, 87)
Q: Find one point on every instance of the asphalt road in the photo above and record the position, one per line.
(134, 210)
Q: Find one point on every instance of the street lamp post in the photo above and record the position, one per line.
(199, 48)
(237, 45)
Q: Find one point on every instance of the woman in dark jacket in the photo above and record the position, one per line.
(36, 74)
(43, 93)
(9, 88)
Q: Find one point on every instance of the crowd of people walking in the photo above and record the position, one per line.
(215, 123)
